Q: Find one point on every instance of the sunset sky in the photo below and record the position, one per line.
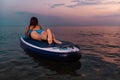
(61, 12)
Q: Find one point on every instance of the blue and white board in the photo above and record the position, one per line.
(64, 52)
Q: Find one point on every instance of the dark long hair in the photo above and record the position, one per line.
(33, 22)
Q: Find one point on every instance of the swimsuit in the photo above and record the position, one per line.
(38, 31)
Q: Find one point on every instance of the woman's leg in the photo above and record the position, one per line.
(50, 37)
(36, 36)
(45, 35)
(55, 40)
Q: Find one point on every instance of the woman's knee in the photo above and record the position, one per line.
(48, 30)
(49, 33)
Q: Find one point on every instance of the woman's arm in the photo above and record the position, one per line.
(26, 31)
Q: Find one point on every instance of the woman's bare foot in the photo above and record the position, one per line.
(56, 41)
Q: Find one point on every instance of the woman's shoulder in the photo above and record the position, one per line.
(27, 27)
(38, 26)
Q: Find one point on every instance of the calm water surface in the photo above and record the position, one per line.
(100, 49)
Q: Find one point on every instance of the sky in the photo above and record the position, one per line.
(61, 12)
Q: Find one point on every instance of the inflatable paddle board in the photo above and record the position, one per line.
(66, 51)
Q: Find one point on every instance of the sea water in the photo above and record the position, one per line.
(100, 50)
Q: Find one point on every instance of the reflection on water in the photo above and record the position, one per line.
(95, 66)
(69, 68)
(100, 49)
(101, 41)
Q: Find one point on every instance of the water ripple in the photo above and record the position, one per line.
(100, 49)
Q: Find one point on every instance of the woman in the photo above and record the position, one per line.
(35, 32)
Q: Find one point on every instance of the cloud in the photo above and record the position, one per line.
(83, 3)
(76, 3)
(48, 20)
(110, 1)
(117, 15)
(23, 18)
(57, 5)
(104, 12)
(110, 19)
